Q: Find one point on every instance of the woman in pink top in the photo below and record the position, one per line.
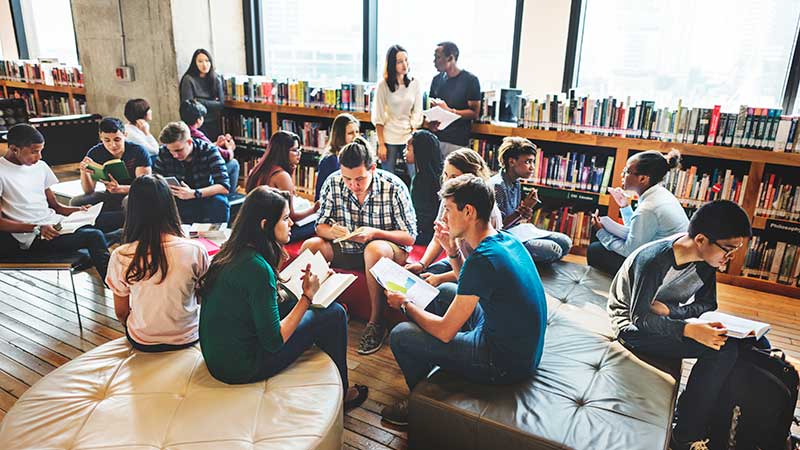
(154, 273)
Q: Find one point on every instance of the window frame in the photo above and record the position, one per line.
(23, 52)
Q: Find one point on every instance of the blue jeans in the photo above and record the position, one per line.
(88, 238)
(214, 209)
(232, 167)
(417, 352)
(393, 151)
(549, 249)
(327, 328)
(304, 232)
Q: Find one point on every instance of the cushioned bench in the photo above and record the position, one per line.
(589, 392)
(116, 398)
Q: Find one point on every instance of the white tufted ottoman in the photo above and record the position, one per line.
(114, 397)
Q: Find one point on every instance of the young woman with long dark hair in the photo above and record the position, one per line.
(275, 169)
(202, 83)
(153, 274)
(424, 154)
(243, 335)
(343, 131)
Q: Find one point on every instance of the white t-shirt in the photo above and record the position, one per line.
(162, 311)
(22, 196)
(400, 112)
(137, 136)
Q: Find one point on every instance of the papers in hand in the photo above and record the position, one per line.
(79, 219)
(737, 327)
(614, 227)
(395, 278)
(331, 285)
(444, 117)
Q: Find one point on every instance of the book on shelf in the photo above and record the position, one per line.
(41, 72)
(737, 327)
(778, 198)
(249, 130)
(575, 224)
(61, 105)
(778, 262)
(257, 89)
(313, 135)
(488, 151)
(693, 188)
(574, 171)
(331, 284)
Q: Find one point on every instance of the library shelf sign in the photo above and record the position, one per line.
(780, 231)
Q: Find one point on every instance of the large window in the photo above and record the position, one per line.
(483, 31)
(49, 31)
(706, 52)
(313, 40)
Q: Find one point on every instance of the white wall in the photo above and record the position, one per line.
(8, 41)
(545, 25)
(215, 25)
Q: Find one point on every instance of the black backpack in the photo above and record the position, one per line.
(756, 404)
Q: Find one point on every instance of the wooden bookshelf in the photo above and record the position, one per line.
(7, 86)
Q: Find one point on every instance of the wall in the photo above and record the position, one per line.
(8, 40)
(545, 25)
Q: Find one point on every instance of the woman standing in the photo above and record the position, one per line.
(423, 153)
(202, 83)
(243, 336)
(343, 131)
(397, 110)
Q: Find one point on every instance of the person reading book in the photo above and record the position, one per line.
(29, 212)
(658, 214)
(193, 114)
(650, 303)
(154, 272)
(332, 284)
(517, 157)
(492, 332)
(377, 205)
(344, 130)
(249, 331)
(202, 195)
(275, 169)
(115, 162)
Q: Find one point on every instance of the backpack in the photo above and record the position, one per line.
(756, 404)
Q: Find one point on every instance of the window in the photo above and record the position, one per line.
(319, 41)
(49, 31)
(727, 52)
(483, 32)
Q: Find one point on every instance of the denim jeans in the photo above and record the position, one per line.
(112, 217)
(394, 151)
(603, 259)
(327, 328)
(232, 167)
(88, 238)
(417, 352)
(549, 249)
(214, 209)
(304, 232)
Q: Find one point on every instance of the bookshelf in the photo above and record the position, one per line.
(44, 100)
(621, 148)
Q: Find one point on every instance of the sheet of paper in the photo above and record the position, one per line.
(395, 278)
(81, 218)
(614, 227)
(524, 232)
(293, 273)
(444, 117)
(306, 220)
(332, 288)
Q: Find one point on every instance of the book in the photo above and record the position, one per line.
(331, 284)
(112, 167)
(79, 219)
(737, 327)
(348, 236)
(211, 247)
(395, 278)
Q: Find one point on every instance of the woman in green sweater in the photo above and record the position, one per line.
(245, 334)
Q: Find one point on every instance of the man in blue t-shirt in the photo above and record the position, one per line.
(493, 330)
(112, 146)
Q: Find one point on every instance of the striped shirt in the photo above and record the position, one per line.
(387, 207)
(206, 167)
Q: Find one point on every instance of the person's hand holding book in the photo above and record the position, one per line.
(394, 299)
(114, 187)
(84, 165)
(711, 334)
(183, 192)
(362, 235)
(310, 284)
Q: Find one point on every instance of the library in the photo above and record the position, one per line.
(368, 224)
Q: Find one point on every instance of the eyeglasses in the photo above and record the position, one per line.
(728, 251)
(296, 150)
(625, 172)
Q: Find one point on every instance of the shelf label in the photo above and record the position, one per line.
(777, 230)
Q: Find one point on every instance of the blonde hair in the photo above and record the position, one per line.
(469, 162)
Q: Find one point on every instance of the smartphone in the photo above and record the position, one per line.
(172, 181)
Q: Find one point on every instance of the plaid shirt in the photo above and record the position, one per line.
(507, 194)
(205, 169)
(387, 207)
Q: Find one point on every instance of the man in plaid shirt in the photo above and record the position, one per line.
(375, 204)
(204, 184)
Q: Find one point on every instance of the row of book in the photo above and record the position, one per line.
(248, 130)
(60, 105)
(488, 151)
(42, 72)
(693, 187)
(750, 127)
(575, 170)
(575, 224)
(305, 178)
(313, 135)
(778, 199)
(347, 97)
(774, 261)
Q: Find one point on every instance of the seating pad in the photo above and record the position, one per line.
(65, 259)
(114, 397)
(589, 390)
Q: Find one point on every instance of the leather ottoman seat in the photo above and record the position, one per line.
(114, 397)
(589, 392)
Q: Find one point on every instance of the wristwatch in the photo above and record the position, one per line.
(198, 194)
(403, 307)
(37, 230)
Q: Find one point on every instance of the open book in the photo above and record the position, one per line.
(113, 167)
(302, 204)
(79, 219)
(438, 114)
(395, 278)
(612, 226)
(331, 285)
(737, 327)
(349, 235)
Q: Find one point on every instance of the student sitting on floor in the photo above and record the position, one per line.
(29, 211)
(424, 156)
(375, 203)
(113, 145)
(517, 157)
(275, 169)
(154, 273)
(193, 114)
(459, 162)
(493, 330)
(648, 306)
(343, 131)
(658, 215)
(197, 165)
(249, 331)
(137, 130)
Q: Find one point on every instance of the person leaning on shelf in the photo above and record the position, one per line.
(193, 114)
(517, 157)
(397, 109)
(658, 214)
(202, 181)
(202, 83)
(365, 214)
(275, 169)
(139, 115)
(343, 131)
(457, 91)
(492, 331)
